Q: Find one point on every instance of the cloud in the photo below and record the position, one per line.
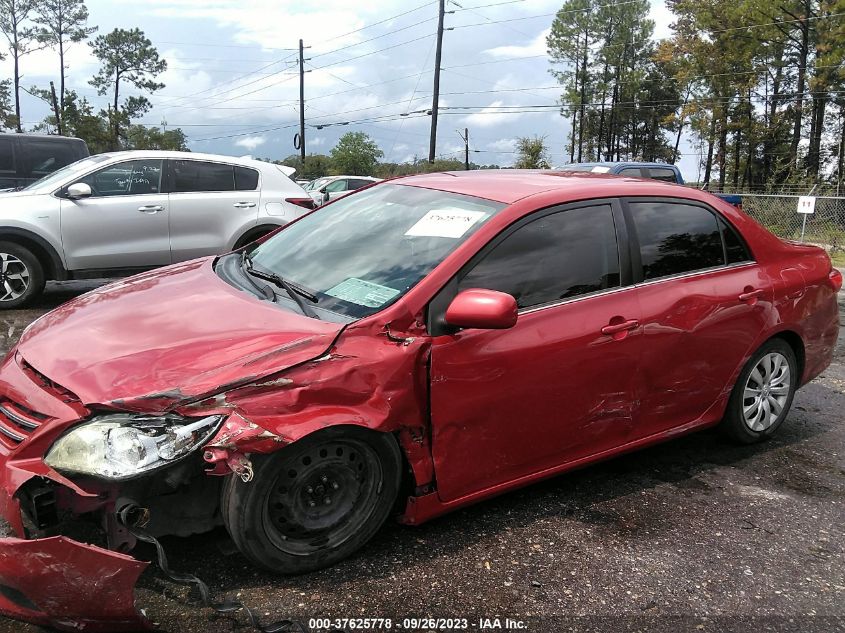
(490, 116)
(251, 142)
(502, 145)
(537, 46)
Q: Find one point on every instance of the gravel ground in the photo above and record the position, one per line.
(697, 534)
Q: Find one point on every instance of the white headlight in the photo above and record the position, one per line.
(125, 445)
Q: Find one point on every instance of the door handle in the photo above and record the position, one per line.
(616, 328)
(151, 208)
(751, 295)
(243, 205)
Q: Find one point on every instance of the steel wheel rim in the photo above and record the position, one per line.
(324, 498)
(766, 391)
(14, 277)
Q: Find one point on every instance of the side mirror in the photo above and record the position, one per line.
(78, 190)
(484, 309)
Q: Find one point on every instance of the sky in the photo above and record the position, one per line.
(232, 82)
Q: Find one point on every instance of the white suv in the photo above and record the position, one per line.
(115, 214)
(333, 187)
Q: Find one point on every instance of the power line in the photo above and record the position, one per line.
(387, 48)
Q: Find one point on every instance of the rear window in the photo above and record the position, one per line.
(45, 157)
(662, 173)
(199, 176)
(246, 179)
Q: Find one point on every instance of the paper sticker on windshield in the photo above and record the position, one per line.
(363, 293)
(600, 169)
(445, 223)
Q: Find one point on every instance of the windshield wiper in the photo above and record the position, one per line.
(266, 291)
(294, 291)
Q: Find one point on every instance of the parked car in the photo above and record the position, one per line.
(24, 158)
(655, 171)
(113, 214)
(333, 187)
(425, 344)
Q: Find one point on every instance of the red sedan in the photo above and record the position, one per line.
(432, 340)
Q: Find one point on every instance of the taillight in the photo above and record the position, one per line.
(307, 203)
(835, 279)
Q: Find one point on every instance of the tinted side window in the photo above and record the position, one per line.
(45, 158)
(357, 184)
(246, 179)
(676, 238)
(554, 257)
(633, 172)
(663, 173)
(194, 175)
(134, 177)
(7, 155)
(734, 247)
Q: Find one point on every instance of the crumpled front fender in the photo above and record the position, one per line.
(69, 585)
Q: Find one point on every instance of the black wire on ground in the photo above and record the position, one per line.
(228, 607)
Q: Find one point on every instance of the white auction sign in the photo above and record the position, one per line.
(807, 204)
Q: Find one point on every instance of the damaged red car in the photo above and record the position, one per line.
(424, 344)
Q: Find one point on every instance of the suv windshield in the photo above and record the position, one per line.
(79, 167)
(364, 252)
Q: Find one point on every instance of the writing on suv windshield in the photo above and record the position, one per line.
(365, 251)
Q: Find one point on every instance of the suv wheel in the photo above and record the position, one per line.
(21, 276)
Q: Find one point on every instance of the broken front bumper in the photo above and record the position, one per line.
(68, 585)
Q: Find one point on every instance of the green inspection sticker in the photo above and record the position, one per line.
(364, 293)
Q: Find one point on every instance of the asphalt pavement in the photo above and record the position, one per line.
(697, 534)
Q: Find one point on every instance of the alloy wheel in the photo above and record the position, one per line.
(14, 277)
(766, 391)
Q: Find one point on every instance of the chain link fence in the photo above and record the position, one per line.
(778, 213)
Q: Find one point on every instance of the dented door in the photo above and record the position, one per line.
(507, 404)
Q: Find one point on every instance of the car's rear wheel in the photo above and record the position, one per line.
(315, 502)
(21, 276)
(762, 396)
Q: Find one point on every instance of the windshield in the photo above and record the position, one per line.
(50, 181)
(364, 252)
(316, 184)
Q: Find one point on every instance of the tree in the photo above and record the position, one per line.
(13, 16)
(80, 120)
(315, 165)
(61, 22)
(531, 153)
(7, 117)
(355, 154)
(126, 56)
(142, 137)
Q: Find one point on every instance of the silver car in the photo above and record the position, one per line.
(114, 214)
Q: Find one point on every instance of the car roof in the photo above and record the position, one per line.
(509, 185)
(620, 163)
(42, 137)
(154, 153)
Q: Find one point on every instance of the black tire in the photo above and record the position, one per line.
(316, 501)
(735, 423)
(22, 273)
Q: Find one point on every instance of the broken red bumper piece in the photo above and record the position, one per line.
(68, 585)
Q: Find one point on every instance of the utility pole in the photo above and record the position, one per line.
(465, 137)
(436, 99)
(56, 109)
(301, 102)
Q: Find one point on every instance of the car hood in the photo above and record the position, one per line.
(165, 338)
